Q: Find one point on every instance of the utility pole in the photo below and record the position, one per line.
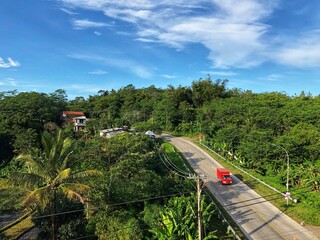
(199, 189)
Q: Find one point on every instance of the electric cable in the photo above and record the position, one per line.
(174, 166)
(183, 176)
(164, 153)
(115, 204)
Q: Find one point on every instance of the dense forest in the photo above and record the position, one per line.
(254, 127)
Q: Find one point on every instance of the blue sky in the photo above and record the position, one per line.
(84, 46)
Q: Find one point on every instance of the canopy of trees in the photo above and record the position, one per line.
(256, 128)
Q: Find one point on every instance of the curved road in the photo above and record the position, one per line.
(258, 218)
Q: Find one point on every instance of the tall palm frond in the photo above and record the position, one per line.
(66, 148)
(86, 173)
(34, 164)
(61, 177)
(73, 195)
(39, 197)
(25, 180)
(65, 161)
(47, 141)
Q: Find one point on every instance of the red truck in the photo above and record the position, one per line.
(224, 176)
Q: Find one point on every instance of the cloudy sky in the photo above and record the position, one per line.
(84, 46)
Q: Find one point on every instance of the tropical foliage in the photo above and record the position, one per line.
(250, 129)
(46, 175)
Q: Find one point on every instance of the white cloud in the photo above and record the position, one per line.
(120, 63)
(9, 63)
(230, 44)
(133, 4)
(97, 33)
(140, 71)
(245, 11)
(147, 40)
(85, 23)
(68, 11)
(168, 76)
(98, 72)
(304, 53)
(8, 82)
(128, 15)
(231, 30)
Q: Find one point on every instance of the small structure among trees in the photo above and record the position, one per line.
(108, 133)
(78, 119)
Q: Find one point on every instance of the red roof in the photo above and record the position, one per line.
(68, 116)
(73, 113)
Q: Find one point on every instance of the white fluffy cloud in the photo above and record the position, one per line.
(229, 29)
(9, 63)
(85, 23)
(234, 32)
(304, 53)
(168, 76)
(68, 11)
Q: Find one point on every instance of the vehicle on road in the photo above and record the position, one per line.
(224, 176)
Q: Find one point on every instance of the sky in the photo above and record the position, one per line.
(83, 46)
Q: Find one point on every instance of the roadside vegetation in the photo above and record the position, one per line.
(256, 129)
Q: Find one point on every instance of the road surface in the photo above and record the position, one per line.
(257, 218)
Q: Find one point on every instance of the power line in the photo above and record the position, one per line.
(169, 160)
(183, 176)
(84, 237)
(173, 165)
(115, 204)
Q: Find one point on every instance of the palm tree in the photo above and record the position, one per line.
(47, 174)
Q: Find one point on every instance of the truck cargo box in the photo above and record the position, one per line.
(224, 176)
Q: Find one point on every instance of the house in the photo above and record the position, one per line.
(79, 123)
(77, 119)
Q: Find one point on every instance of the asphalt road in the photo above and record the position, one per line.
(258, 218)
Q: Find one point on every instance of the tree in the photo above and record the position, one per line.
(178, 220)
(47, 175)
(205, 90)
(26, 111)
(25, 140)
(117, 224)
(254, 149)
